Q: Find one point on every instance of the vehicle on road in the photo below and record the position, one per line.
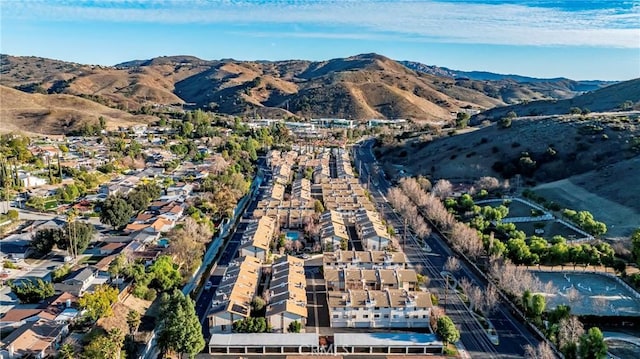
(208, 286)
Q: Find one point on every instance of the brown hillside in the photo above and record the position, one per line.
(578, 146)
(610, 98)
(357, 87)
(56, 114)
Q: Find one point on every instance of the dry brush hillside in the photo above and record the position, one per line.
(56, 114)
(359, 87)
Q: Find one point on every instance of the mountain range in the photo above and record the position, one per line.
(358, 87)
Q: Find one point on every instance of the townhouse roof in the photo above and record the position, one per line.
(388, 298)
(260, 235)
(238, 286)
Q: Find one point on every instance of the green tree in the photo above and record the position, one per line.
(116, 212)
(166, 275)
(138, 200)
(118, 265)
(66, 352)
(592, 345)
(318, 207)
(446, 330)
(133, 321)
(98, 304)
(32, 291)
(295, 327)
(179, 328)
(462, 119)
(76, 238)
(257, 304)
(538, 305)
(635, 245)
(44, 240)
(107, 346)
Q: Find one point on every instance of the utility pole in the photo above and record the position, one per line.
(404, 234)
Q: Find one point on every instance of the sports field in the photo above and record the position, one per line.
(590, 294)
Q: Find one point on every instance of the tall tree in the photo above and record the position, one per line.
(133, 321)
(180, 330)
(592, 345)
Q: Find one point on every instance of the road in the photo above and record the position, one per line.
(513, 334)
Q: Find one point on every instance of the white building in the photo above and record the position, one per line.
(390, 308)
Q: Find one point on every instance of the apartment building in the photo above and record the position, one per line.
(364, 259)
(301, 188)
(343, 163)
(287, 294)
(257, 238)
(233, 297)
(344, 195)
(371, 231)
(332, 230)
(372, 279)
(289, 214)
(389, 308)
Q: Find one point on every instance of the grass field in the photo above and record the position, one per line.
(620, 220)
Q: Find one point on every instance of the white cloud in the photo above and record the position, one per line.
(409, 20)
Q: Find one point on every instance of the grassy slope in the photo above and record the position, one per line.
(56, 114)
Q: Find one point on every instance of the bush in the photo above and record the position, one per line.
(59, 273)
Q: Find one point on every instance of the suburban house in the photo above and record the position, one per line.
(389, 308)
(287, 295)
(28, 180)
(36, 339)
(257, 238)
(79, 282)
(233, 297)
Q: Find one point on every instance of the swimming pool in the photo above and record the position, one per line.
(293, 236)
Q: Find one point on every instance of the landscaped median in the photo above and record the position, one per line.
(474, 307)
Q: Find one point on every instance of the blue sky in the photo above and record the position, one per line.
(598, 39)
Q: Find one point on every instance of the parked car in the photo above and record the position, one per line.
(208, 285)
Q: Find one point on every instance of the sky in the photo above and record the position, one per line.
(582, 40)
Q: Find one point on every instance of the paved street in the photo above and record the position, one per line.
(513, 335)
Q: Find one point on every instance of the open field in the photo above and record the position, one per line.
(590, 294)
(621, 220)
(516, 208)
